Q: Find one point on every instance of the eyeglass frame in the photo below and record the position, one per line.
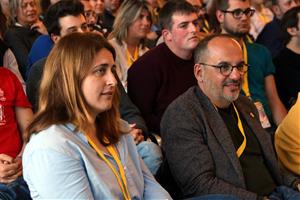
(248, 12)
(228, 64)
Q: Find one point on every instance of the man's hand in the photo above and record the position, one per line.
(136, 133)
(10, 169)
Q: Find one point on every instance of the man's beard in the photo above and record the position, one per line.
(235, 33)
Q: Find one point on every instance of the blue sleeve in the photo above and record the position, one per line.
(54, 175)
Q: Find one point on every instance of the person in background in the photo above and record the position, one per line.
(272, 36)
(62, 18)
(259, 85)
(7, 58)
(111, 8)
(260, 18)
(131, 26)
(25, 28)
(166, 71)
(77, 144)
(287, 63)
(287, 140)
(15, 116)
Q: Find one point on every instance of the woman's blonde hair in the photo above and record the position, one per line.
(129, 11)
(14, 5)
(61, 98)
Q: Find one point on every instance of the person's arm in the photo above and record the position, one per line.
(56, 175)
(9, 61)
(277, 108)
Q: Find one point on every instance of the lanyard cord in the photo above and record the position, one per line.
(121, 180)
(206, 26)
(245, 85)
(240, 126)
(131, 59)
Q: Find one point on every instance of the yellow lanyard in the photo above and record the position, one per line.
(245, 85)
(131, 59)
(121, 180)
(206, 27)
(240, 125)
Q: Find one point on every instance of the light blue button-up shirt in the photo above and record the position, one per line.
(59, 163)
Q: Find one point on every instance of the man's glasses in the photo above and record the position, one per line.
(226, 68)
(238, 13)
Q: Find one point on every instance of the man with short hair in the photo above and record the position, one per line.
(259, 85)
(287, 63)
(166, 71)
(272, 36)
(212, 137)
(111, 8)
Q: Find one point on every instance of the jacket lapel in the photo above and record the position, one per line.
(220, 131)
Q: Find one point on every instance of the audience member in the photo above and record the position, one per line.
(287, 63)
(166, 71)
(111, 8)
(15, 115)
(98, 6)
(272, 36)
(131, 26)
(7, 58)
(287, 140)
(78, 144)
(62, 18)
(212, 137)
(259, 84)
(25, 28)
(260, 18)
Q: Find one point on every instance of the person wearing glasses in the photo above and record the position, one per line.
(211, 134)
(233, 17)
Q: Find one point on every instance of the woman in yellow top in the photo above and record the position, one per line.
(287, 142)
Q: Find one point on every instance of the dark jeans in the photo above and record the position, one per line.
(284, 193)
(17, 190)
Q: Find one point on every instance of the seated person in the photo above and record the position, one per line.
(15, 115)
(61, 18)
(25, 28)
(287, 63)
(212, 137)
(166, 71)
(287, 142)
(77, 141)
(7, 58)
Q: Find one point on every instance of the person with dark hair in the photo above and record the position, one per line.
(62, 18)
(259, 85)
(78, 146)
(287, 63)
(166, 71)
(272, 36)
(212, 137)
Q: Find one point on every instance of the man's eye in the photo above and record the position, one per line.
(225, 67)
(237, 12)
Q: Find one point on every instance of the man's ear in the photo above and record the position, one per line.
(198, 72)
(54, 37)
(167, 35)
(220, 16)
(292, 31)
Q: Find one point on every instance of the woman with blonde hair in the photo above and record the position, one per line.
(130, 29)
(78, 147)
